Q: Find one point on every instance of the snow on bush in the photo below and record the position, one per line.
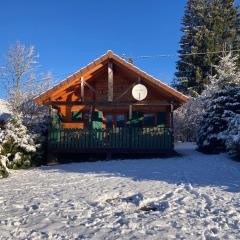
(187, 119)
(219, 128)
(233, 139)
(4, 172)
(18, 145)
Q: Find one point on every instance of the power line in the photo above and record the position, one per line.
(178, 54)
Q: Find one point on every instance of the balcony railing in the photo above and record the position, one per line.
(127, 139)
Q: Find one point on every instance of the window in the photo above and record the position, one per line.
(149, 120)
(77, 116)
(137, 119)
(109, 121)
(161, 119)
(120, 120)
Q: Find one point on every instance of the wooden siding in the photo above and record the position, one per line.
(121, 82)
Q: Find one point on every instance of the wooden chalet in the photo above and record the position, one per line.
(94, 110)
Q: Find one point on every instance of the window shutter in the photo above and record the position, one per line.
(97, 116)
(97, 119)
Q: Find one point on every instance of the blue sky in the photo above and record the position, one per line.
(68, 34)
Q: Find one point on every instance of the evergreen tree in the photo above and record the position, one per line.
(233, 135)
(17, 144)
(208, 26)
(222, 105)
(186, 66)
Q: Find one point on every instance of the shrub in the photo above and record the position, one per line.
(18, 145)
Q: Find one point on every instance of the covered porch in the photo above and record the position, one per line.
(113, 127)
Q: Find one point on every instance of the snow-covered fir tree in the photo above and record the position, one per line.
(17, 144)
(233, 138)
(222, 105)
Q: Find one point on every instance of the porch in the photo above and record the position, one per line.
(112, 140)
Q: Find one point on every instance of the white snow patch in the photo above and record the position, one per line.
(195, 196)
(5, 112)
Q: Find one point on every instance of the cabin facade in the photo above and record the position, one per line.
(95, 110)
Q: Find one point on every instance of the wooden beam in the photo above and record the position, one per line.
(89, 74)
(108, 104)
(82, 89)
(127, 90)
(172, 108)
(130, 112)
(110, 81)
(86, 78)
(91, 88)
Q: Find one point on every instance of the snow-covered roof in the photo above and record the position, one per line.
(5, 112)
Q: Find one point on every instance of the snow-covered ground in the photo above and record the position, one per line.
(195, 196)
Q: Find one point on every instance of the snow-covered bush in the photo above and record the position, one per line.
(222, 104)
(18, 145)
(4, 172)
(187, 119)
(3, 160)
(233, 138)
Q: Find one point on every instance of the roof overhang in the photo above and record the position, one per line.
(86, 71)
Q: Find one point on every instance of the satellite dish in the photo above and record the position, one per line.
(139, 92)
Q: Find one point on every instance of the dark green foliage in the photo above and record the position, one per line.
(3, 173)
(234, 151)
(11, 150)
(208, 26)
(220, 126)
(214, 128)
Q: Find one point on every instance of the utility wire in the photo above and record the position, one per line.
(178, 54)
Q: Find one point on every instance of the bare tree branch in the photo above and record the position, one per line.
(22, 81)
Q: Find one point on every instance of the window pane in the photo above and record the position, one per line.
(120, 117)
(161, 119)
(120, 120)
(109, 121)
(137, 119)
(149, 119)
(77, 116)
